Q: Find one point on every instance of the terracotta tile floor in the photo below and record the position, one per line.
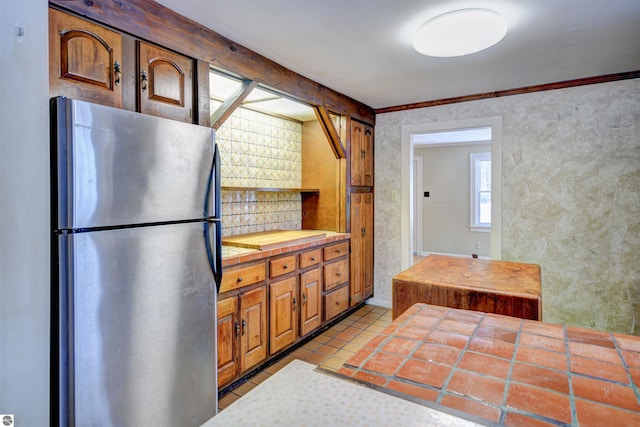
(328, 350)
(509, 371)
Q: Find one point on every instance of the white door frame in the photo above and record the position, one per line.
(417, 206)
(406, 184)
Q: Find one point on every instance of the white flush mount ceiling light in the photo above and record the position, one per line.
(460, 32)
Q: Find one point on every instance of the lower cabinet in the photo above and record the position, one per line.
(295, 307)
(283, 322)
(311, 304)
(295, 296)
(242, 333)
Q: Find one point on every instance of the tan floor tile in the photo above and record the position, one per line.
(353, 347)
(312, 345)
(343, 354)
(300, 353)
(361, 325)
(272, 369)
(380, 323)
(339, 327)
(316, 358)
(227, 400)
(244, 388)
(337, 343)
(259, 377)
(329, 333)
(368, 334)
(287, 359)
(360, 341)
(322, 339)
(376, 329)
(332, 364)
(327, 349)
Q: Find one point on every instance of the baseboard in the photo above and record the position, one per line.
(456, 255)
(379, 302)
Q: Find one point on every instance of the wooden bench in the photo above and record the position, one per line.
(501, 287)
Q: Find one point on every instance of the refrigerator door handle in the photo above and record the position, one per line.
(213, 186)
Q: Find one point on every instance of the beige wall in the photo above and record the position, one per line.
(571, 196)
(446, 212)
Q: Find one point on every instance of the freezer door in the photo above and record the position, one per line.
(117, 167)
(141, 338)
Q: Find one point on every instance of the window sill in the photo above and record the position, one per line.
(480, 229)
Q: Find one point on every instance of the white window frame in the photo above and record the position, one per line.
(474, 204)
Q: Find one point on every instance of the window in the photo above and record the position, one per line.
(480, 191)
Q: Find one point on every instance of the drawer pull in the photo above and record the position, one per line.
(313, 258)
(239, 279)
(337, 302)
(337, 251)
(338, 274)
(285, 266)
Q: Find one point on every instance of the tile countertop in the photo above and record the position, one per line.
(232, 255)
(506, 370)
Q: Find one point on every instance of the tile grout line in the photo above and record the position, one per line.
(507, 384)
(572, 398)
(626, 367)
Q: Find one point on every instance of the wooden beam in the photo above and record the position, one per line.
(150, 21)
(518, 91)
(330, 131)
(230, 104)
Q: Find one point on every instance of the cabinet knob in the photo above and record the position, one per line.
(313, 258)
(244, 325)
(285, 266)
(237, 325)
(294, 303)
(337, 302)
(338, 274)
(239, 279)
(304, 299)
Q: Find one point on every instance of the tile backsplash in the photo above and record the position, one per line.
(259, 151)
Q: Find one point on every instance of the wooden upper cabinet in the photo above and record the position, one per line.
(165, 82)
(85, 60)
(361, 154)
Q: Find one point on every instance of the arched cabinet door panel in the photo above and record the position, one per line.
(165, 83)
(86, 60)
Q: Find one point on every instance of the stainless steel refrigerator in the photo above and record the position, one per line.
(136, 238)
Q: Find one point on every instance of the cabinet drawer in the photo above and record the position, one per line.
(336, 251)
(310, 258)
(280, 266)
(336, 274)
(237, 277)
(336, 302)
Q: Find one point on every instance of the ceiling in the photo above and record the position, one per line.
(363, 48)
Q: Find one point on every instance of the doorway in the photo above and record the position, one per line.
(409, 187)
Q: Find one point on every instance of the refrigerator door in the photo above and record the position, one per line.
(117, 167)
(140, 306)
